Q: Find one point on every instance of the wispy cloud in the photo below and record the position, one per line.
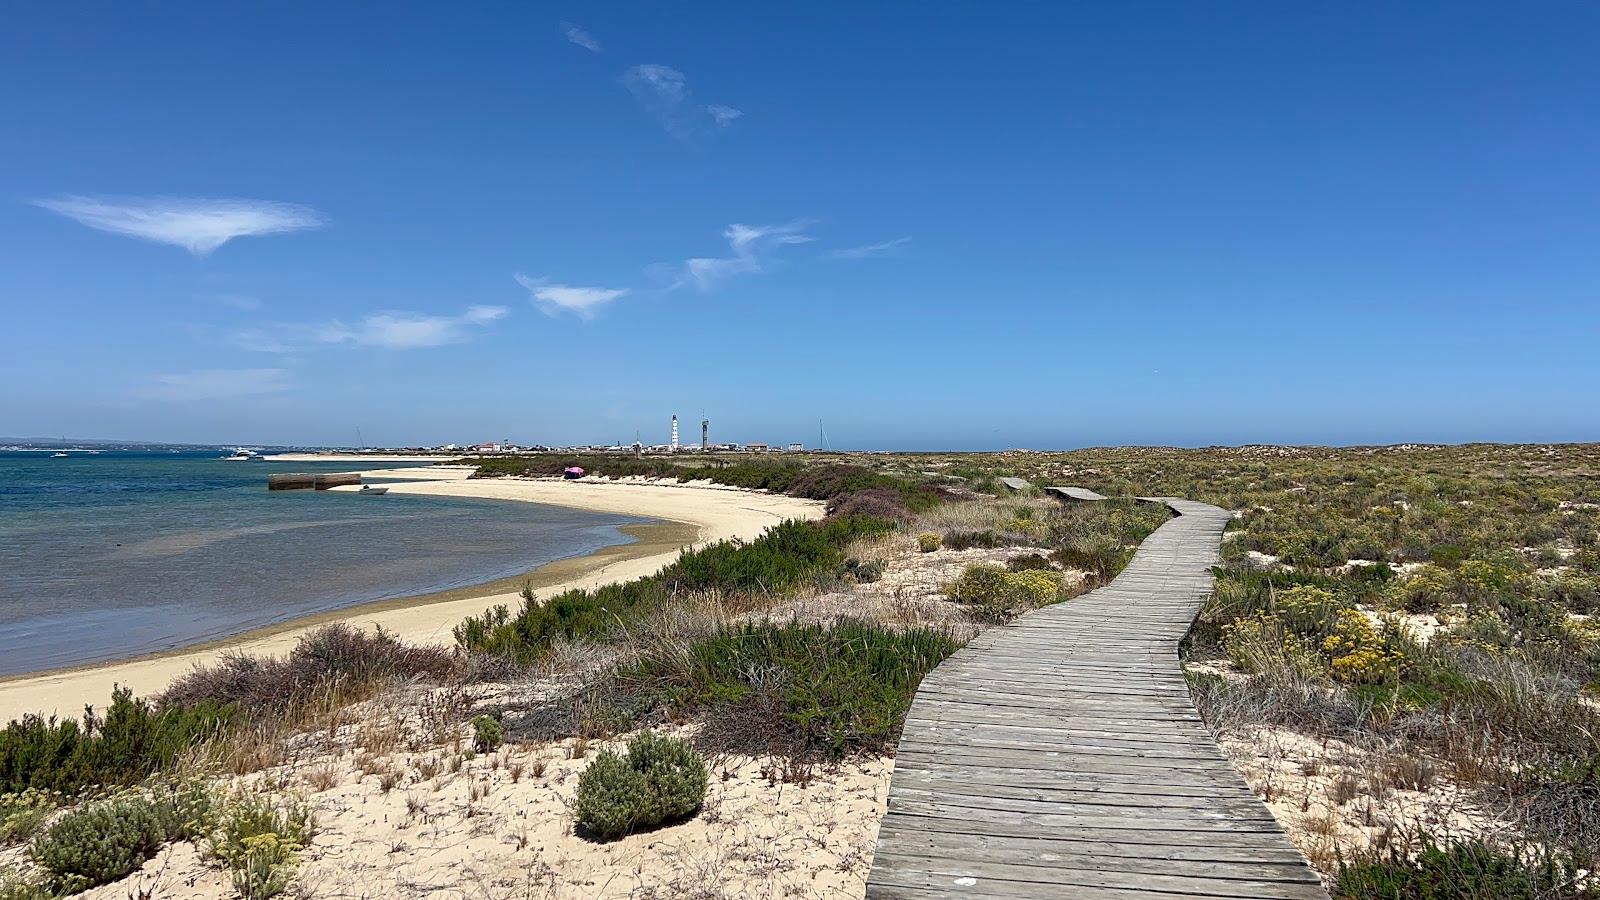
(580, 37)
(406, 331)
(867, 250)
(663, 92)
(723, 115)
(215, 384)
(751, 246)
(384, 330)
(197, 225)
(556, 298)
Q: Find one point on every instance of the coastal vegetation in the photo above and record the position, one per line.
(1399, 653)
(1426, 609)
(659, 779)
(759, 649)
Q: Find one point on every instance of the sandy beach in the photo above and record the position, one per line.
(690, 515)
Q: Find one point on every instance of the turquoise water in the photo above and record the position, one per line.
(121, 553)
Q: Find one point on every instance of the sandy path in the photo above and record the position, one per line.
(711, 514)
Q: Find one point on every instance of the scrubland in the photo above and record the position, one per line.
(724, 727)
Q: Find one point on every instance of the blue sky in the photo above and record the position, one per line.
(1045, 225)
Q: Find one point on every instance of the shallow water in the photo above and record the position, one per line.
(117, 554)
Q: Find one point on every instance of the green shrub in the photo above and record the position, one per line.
(998, 593)
(1101, 562)
(794, 689)
(259, 839)
(788, 556)
(608, 796)
(103, 841)
(486, 733)
(857, 572)
(130, 742)
(15, 885)
(1030, 561)
(662, 779)
(966, 540)
(21, 815)
(1464, 870)
(928, 542)
(675, 776)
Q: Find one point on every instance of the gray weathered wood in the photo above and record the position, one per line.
(1016, 484)
(1060, 755)
(1074, 493)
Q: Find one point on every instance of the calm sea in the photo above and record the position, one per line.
(116, 554)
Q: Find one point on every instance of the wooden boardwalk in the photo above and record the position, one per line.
(1060, 756)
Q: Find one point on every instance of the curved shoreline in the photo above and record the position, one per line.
(688, 516)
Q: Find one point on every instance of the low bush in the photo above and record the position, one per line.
(661, 779)
(486, 733)
(1464, 870)
(928, 542)
(879, 503)
(967, 540)
(259, 839)
(998, 594)
(855, 571)
(1030, 561)
(15, 885)
(22, 815)
(796, 690)
(789, 556)
(329, 657)
(130, 742)
(103, 841)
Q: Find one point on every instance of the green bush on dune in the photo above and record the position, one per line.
(103, 841)
(131, 741)
(998, 593)
(787, 557)
(661, 779)
(1462, 870)
(812, 691)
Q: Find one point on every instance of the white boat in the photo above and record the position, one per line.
(240, 454)
(58, 456)
(372, 489)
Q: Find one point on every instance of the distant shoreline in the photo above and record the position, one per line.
(687, 516)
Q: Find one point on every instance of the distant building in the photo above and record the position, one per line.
(796, 447)
(756, 447)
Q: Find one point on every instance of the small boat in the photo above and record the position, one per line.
(372, 489)
(58, 456)
(242, 455)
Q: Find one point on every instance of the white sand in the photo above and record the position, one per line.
(717, 514)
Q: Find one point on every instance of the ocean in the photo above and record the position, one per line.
(118, 554)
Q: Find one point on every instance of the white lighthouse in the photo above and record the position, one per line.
(674, 433)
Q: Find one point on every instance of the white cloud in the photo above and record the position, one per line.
(866, 250)
(409, 331)
(751, 244)
(723, 115)
(555, 298)
(580, 37)
(199, 226)
(663, 92)
(384, 330)
(215, 384)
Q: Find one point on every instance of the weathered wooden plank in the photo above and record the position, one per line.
(1060, 755)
